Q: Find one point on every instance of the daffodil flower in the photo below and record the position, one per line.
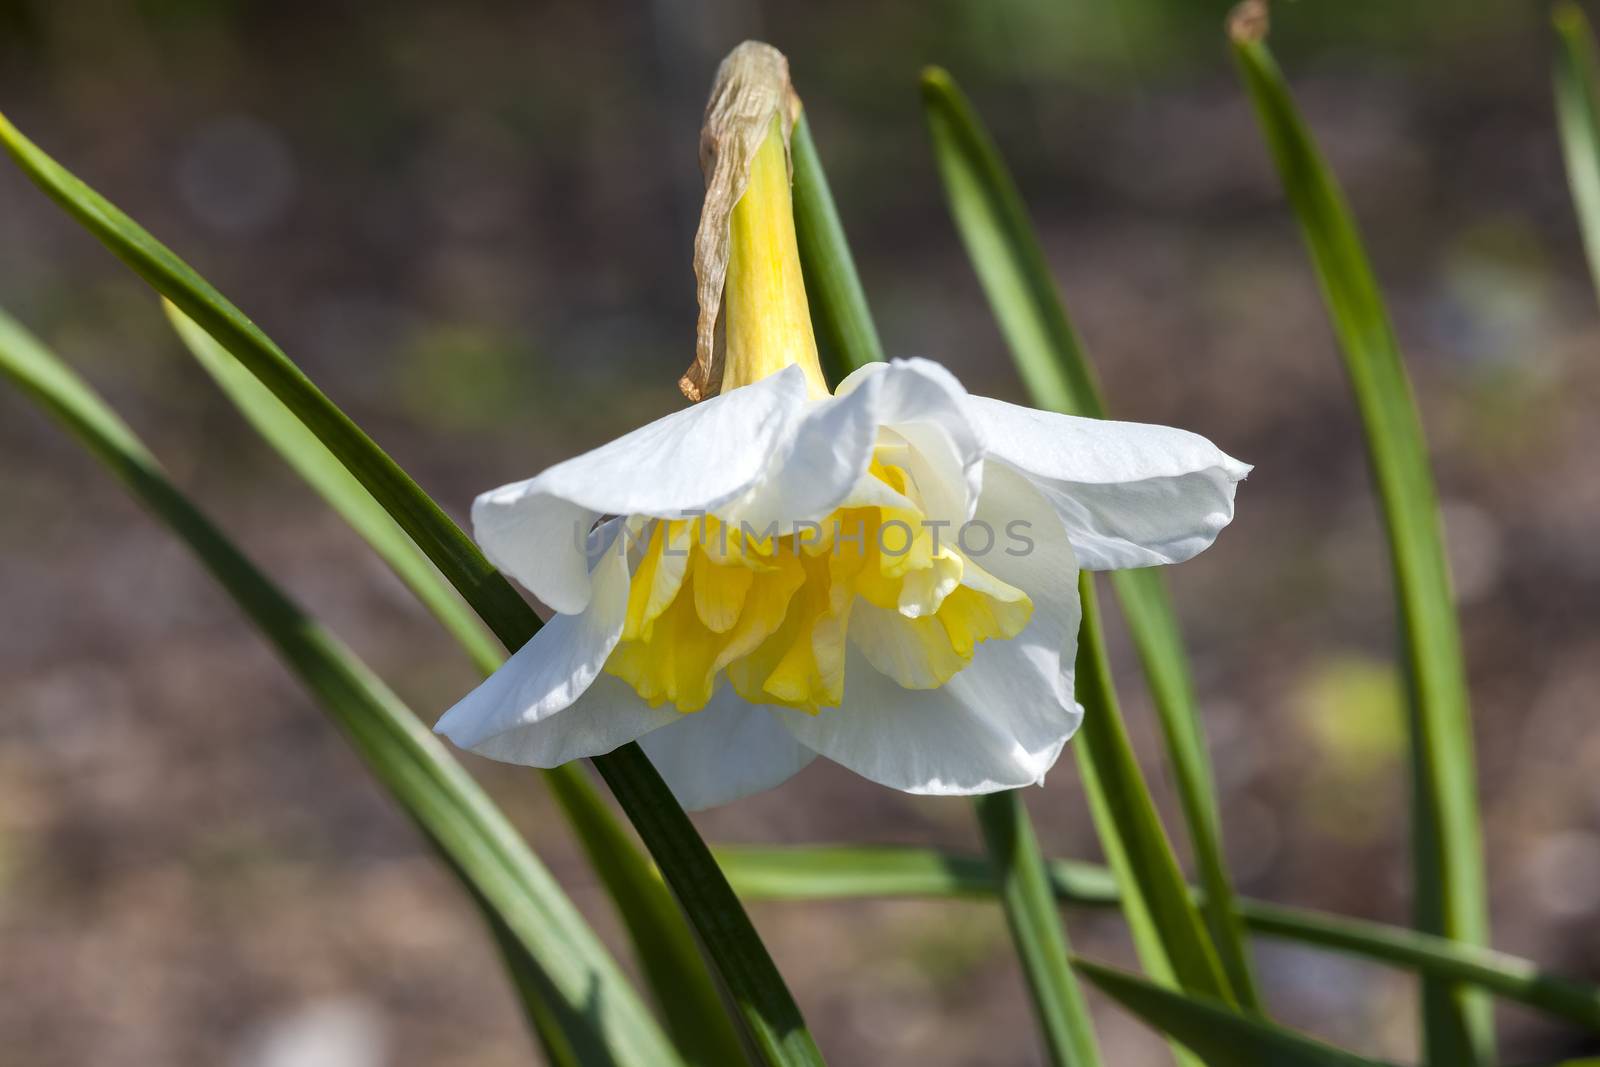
(884, 574)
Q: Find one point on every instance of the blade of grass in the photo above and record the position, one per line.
(553, 948)
(1011, 266)
(823, 872)
(1037, 931)
(730, 940)
(1216, 1032)
(1450, 898)
(673, 965)
(838, 303)
(1577, 88)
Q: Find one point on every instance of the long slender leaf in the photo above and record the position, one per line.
(1214, 1031)
(724, 928)
(1499, 973)
(564, 1040)
(1135, 903)
(847, 872)
(798, 873)
(1577, 87)
(1141, 855)
(766, 1005)
(561, 958)
(450, 550)
(852, 342)
(1450, 895)
(1011, 266)
(339, 488)
(1037, 931)
(838, 303)
(671, 960)
(668, 954)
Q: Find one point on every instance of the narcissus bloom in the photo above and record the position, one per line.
(885, 575)
(915, 621)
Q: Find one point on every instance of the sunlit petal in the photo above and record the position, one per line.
(550, 702)
(1130, 494)
(694, 459)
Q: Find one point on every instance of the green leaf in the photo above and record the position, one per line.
(1577, 87)
(848, 872)
(1153, 625)
(554, 950)
(672, 963)
(338, 487)
(1504, 975)
(724, 928)
(730, 940)
(1012, 269)
(1450, 895)
(450, 550)
(671, 960)
(994, 226)
(1130, 826)
(1214, 1031)
(850, 342)
(838, 303)
(1036, 929)
(843, 872)
(563, 1036)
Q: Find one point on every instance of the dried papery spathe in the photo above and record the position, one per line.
(751, 92)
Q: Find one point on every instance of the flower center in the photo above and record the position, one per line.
(771, 609)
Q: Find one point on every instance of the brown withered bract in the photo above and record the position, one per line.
(1249, 21)
(752, 86)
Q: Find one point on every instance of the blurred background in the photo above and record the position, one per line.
(471, 223)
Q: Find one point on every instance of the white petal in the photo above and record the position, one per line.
(552, 670)
(1001, 722)
(828, 452)
(1130, 494)
(926, 406)
(692, 460)
(833, 443)
(728, 750)
(608, 715)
